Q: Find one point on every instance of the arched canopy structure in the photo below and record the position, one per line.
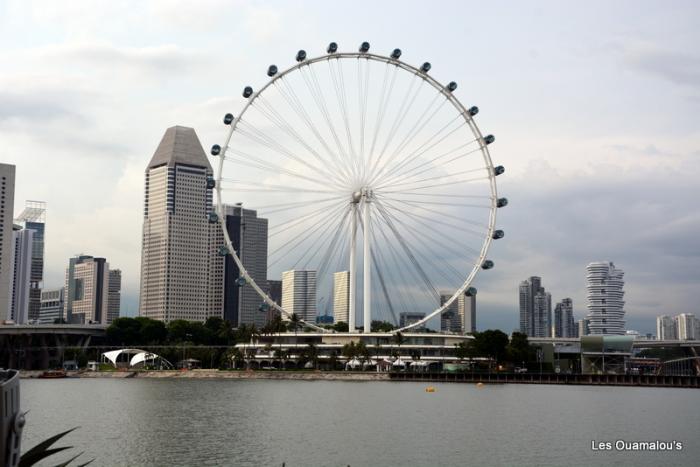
(134, 358)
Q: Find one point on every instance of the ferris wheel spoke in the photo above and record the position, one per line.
(260, 186)
(281, 123)
(406, 105)
(317, 246)
(435, 220)
(441, 213)
(382, 107)
(333, 245)
(260, 138)
(268, 209)
(414, 172)
(407, 185)
(318, 96)
(441, 203)
(446, 183)
(419, 151)
(290, 245)
(250, 161)
(341, 97)
(298, 219)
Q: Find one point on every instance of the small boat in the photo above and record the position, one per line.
(54, 374)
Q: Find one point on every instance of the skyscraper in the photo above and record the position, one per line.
(535, 308)
(33, 217)
(407, 318)
(564, 325)
(341, 296)
(7, 203)
(51, 305)
(468, 311)
(605, 304)
(299, 294)
(20, 282)
(666, 328)
(181, 274)
(686, 326)
(450, 319)
(583, 329)
(87, 290)
(114, 294)
(460, 316)
(248, 234)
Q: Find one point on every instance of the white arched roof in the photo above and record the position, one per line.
(139, 356)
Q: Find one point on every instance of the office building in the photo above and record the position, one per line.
(407, 318)
(450, 319)
(535, 308)
(460, 316)
(182, 275)
(7, 203)
(86, 298)
(33, 217)
(564, 325)
(605, 298)
(275, 291)
(341, 296)
(248, 234)
(299, 294)
(20, 281)
(686, 326)
(583, 329)
(114, 294)
(666, 328)
(51, 310)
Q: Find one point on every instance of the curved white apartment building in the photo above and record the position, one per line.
(605, 298)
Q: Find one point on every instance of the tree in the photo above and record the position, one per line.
(491, 343)
(398, 340)
(349, 351)
(152, 331)
(311, 353)
(519, 349)
(381, 326)
(178, 330)
(341, 326)
(124, 331)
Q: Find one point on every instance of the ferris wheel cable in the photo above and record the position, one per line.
(305, 234)
(290, 224)
(440, 203)
(421, 122)
(420, 239)
(387, 184)
(439, 195)
(332, 246)
(404, 264)
(451, 182)
(443, 214)
(341, 96)
(430, 228)
(317, 94)
(406, 248)
(340, 101)
(459, 228)
(280, 206)
(400, 116)
(264, 187)
(295, 104)
(342, 154)
(265, 141)
(415, 154)
(320, 245)
(274, 168)
(381, 111)
(282, 124)
(410, 173)
(380, 274)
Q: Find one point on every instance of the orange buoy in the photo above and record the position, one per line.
(479, 385)
(430, 389)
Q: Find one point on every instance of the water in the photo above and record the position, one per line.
(183, 422)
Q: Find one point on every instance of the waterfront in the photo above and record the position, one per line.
(155, 422)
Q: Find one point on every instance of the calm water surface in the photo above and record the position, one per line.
(148, 422)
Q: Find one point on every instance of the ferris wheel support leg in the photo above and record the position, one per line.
(367, 286)
(353, 246)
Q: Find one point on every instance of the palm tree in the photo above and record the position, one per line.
(399, 339)
(349, 351)
(312, 354)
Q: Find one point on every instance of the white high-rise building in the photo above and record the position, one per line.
(299, 294)
(341, 296)
(686, 326)
(22, 241)
(7, 206)
(182, 275)
(666, 329)
(605, 298)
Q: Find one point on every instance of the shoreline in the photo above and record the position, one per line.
(223, 374)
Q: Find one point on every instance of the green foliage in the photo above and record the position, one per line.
(519, 350)
(381, 326)
(341, 326)
(491, 343)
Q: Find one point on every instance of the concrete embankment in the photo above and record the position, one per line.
(217, 374)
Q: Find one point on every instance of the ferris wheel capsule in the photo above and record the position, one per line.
(498, 234)
(452, 86)
(502, 202)
(301, 56)
(396, 54)
(471, 291)
(215, 150)
(272, 70)
(487, 264)
(241, 281)
(425, 67)
(264, 307)
(498, 170)
(473, 111)
(223, 251)
(213, 218)
(488, 139)
(228, 119)
(364, 47)
(247, 92)
(211, 183)
(332, 48)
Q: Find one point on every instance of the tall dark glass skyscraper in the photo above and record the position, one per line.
(34, 218)
(535, 308)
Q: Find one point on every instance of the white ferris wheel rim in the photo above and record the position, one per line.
(483, 148)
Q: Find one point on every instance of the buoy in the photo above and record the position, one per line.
(430, 389)
(479, 385)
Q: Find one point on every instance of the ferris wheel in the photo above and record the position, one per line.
(365, 166)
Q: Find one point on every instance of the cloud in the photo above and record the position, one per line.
(677, 67)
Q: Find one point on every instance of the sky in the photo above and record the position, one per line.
(594, 107)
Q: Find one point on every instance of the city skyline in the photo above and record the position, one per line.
(615, 157)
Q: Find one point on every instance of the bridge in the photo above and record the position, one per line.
(42, 346)
(636, 344)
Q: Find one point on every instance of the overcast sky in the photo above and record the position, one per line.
(595, 109)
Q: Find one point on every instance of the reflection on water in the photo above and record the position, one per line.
(150, 422)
